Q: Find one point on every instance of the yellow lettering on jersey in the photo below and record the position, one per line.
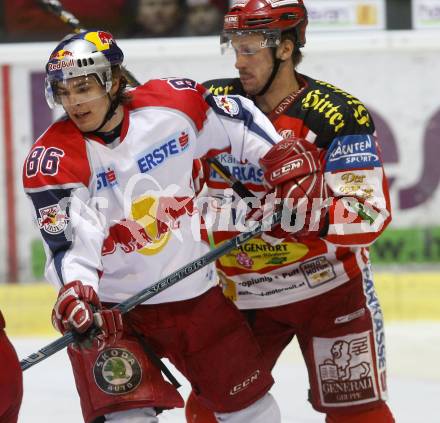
(318, 101)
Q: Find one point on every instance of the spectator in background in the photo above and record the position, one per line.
(27, 20)
(156, 18)
(205, 17)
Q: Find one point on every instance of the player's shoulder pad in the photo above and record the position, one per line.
(341, 110)
(180, 94)
(57, 159)
(224, 86)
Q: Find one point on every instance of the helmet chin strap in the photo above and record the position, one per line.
(110, 112)
(276, 65)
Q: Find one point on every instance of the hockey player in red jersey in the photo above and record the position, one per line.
(112, 193)
(315, 284)
(11, 380)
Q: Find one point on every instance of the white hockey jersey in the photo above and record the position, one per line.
(121, 217)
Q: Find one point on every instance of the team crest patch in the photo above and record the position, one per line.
(228, 105)
(52, 219)
(117, 371)
(345, 370)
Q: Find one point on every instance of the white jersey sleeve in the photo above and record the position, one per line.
(234, 123)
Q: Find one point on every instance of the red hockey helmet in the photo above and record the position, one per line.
(269, 17)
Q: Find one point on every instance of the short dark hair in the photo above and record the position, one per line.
(297, 55)
(122, 95)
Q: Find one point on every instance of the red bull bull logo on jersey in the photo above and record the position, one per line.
(150, 225)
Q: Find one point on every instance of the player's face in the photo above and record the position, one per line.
(253, 62)
(85, 101)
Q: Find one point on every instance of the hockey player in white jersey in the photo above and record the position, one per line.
(112, 193)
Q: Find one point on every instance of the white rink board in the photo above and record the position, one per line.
(394, 73)
(413, 370)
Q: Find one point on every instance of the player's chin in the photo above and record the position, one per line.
(250, 88)
(85, 126)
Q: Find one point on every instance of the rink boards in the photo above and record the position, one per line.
(404, 297)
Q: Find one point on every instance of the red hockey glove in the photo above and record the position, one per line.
(293, 168)
(78, 309)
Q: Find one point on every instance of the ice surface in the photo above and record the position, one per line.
(413, 352)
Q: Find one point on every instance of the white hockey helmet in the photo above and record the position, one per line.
(89, 53)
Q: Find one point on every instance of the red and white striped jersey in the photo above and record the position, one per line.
(259, 274)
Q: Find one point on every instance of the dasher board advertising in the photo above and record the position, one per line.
(426, 14)
(346, 15)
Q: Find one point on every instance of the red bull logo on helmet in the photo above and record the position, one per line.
(62, 64)
(61, 55)
(102, 40)
(61, 59)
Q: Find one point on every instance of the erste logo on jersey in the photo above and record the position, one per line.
(352, 152)
(52, 219)
(106, 179)
(160, 152)
(227, 105)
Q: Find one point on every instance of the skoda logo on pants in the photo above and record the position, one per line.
(117, 371)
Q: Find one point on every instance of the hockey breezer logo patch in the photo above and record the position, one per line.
(117, 371)
(245, 384)
(345, 370)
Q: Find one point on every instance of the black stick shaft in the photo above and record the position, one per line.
(236, 184)
(158, 287)
(55, 7)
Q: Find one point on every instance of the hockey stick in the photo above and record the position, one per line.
(159, 286)
(55, 7)
(236, 184)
